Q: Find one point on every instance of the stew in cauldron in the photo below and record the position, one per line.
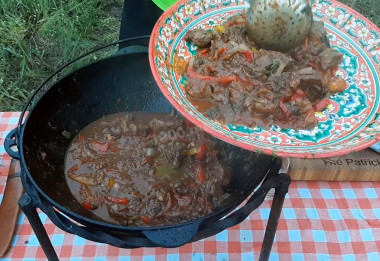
(232, 80)
(137, 169)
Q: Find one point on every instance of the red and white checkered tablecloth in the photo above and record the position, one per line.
(320, 221)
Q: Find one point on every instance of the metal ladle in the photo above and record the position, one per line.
(278, 24)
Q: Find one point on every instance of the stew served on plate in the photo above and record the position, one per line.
(144, 169)
(232, 80)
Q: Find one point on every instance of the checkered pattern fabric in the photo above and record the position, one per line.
(320, 221)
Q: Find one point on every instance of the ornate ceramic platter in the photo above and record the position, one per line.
(350, 122)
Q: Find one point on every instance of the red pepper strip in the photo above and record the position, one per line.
(248, 55)
(73, 168)
(201, 152)
(146, 219)
(122, 201)
(89, 206)
(228, 79)
(219, 52)
(298, 94)
(222, 79)
(321, 104)
(100, 146)
(204, 51)
(201, 174)
(195, 75)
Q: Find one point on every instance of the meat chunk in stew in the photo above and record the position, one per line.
(200, 37)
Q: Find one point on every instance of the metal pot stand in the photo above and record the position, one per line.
(31, 200)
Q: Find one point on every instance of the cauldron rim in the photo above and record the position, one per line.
(76, 216)
(29, 181)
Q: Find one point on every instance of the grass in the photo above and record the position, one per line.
(369, 8)
(38, 36)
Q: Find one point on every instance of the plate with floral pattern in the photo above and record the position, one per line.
(351, 121)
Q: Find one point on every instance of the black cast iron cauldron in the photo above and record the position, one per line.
(122, 82)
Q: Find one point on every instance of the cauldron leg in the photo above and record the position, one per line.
(274, 216)
(29, 209)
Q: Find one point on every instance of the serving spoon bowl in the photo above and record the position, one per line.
(278, 24)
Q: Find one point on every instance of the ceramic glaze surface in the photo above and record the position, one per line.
(350, 122)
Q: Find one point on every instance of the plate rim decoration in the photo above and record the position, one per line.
(166, 41)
